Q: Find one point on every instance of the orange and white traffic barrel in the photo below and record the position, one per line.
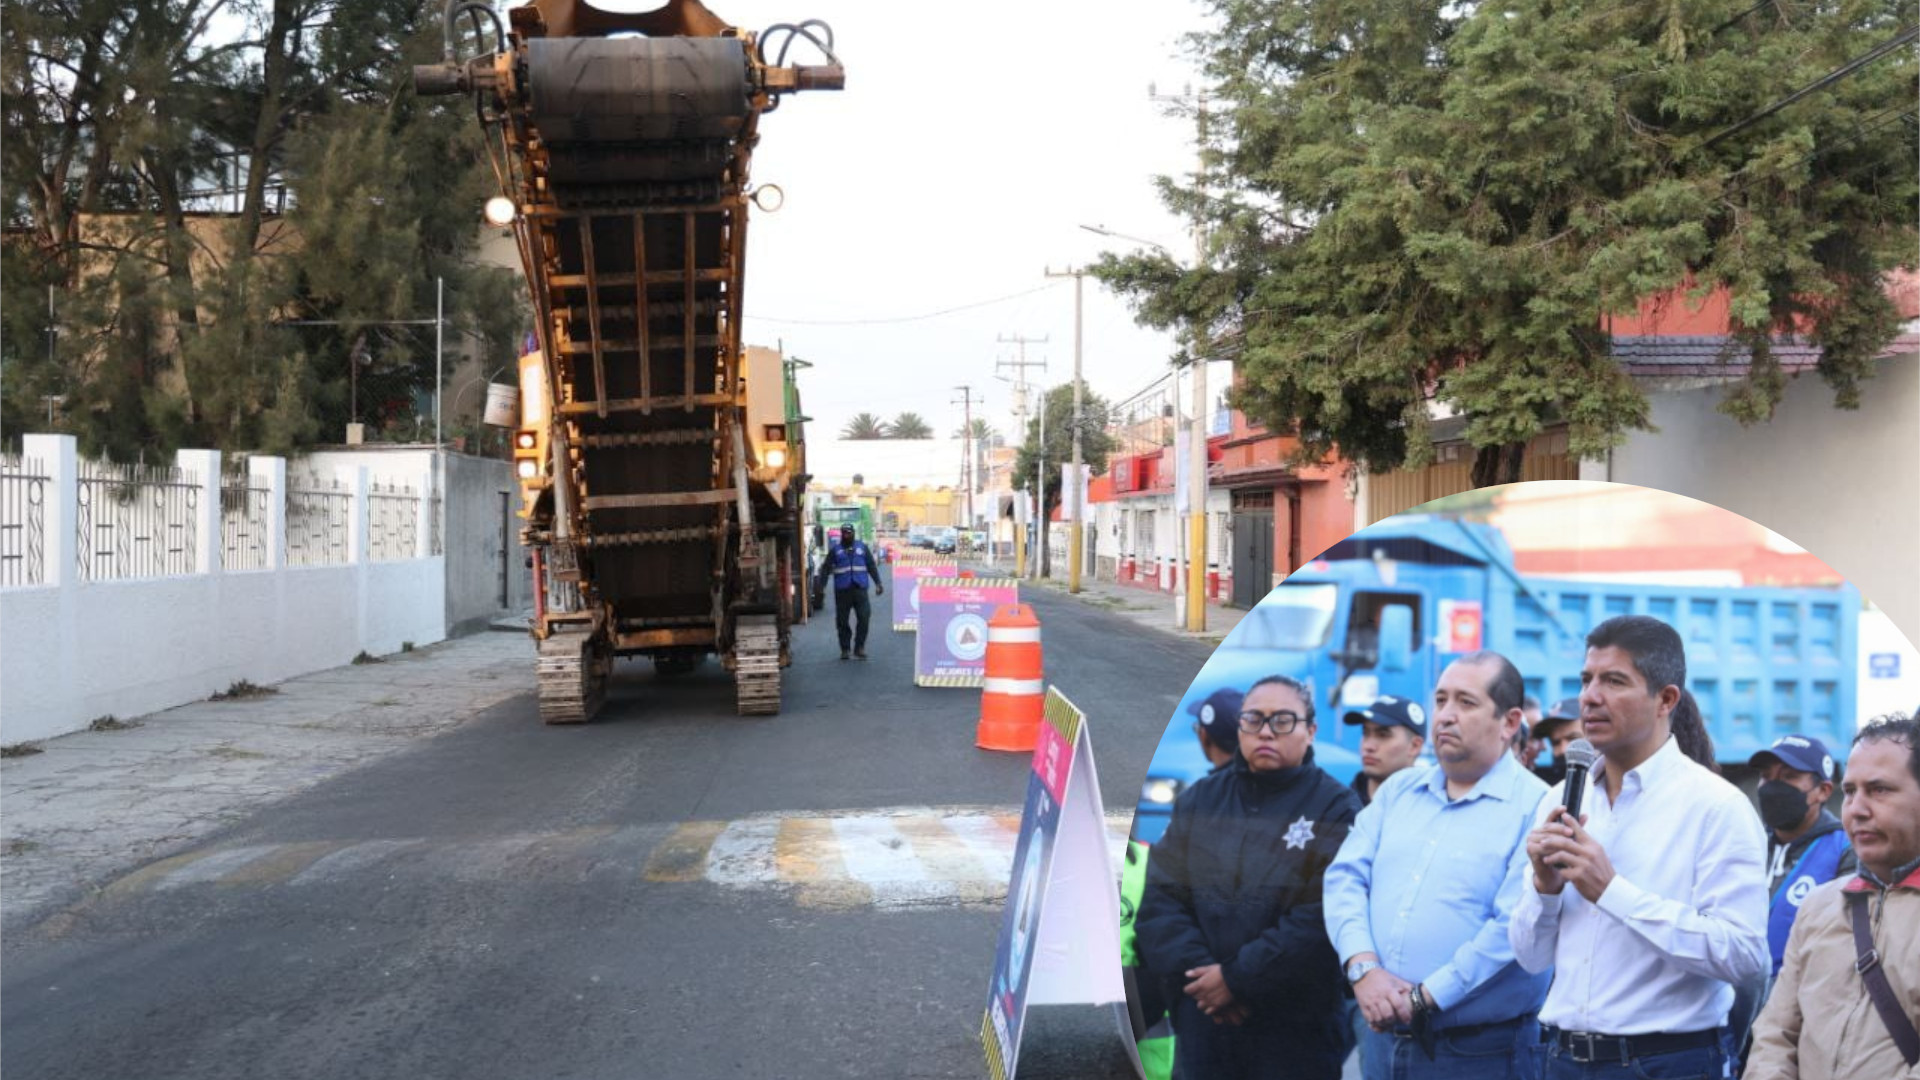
(1013, 697)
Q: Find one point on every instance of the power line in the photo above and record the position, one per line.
(1909, 34)
(904, 318)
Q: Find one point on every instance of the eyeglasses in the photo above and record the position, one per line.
(1281, 723)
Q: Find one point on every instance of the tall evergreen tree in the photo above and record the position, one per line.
(228, 320)
(1428, 200)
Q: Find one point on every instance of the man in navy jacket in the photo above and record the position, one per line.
(1231, 916)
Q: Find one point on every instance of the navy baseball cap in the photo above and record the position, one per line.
(1389, 711)
(1562, 711)
(1219, 713)
(1802, 752)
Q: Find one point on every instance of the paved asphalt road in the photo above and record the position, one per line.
(670, 891)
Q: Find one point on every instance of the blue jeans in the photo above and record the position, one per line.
(1506, 1052)
(1699, 1063)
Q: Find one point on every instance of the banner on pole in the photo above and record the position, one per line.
(951, 647)
(1068, 506)
(1061, 930)
(906, 588)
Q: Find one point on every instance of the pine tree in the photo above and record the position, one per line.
(175, 328)
(1430, 200)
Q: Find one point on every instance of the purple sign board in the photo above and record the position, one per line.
(951, 646)
(905, 586)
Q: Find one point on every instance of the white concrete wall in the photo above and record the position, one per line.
(1843, 485)
(1895, 687)
(73, 651)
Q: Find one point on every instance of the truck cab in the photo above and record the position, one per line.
(1384, 612)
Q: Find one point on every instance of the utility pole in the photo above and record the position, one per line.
(439, 338)
(1041, 526)
(966, 450)
(1019, 381)
(1076, 508)
(1196, 584)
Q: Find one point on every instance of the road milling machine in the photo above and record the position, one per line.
(662, 494)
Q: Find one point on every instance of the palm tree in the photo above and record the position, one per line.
(983, 433)
(864, 426)
(909, 426)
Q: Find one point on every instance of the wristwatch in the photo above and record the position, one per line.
(1358, 970)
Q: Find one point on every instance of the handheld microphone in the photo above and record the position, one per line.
(1580, 755)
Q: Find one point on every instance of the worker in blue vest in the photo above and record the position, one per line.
(1806, 848)
(850, 566)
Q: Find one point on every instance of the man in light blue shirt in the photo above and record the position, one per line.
(1417, 900)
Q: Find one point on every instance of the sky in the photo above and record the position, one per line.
(956, 167)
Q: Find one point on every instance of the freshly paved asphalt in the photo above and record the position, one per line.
(474, 904)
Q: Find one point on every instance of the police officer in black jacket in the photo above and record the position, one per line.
(1230, 917)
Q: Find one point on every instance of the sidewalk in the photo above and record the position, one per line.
(1144, 606)
(94, 804)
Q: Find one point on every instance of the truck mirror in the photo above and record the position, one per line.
(1396, 637)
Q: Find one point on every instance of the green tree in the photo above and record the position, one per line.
(1420, 201)
(227, 320)
(1096, 445)
(864, 426)
(909, 426)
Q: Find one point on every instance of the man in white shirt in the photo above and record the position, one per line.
(1653, 904)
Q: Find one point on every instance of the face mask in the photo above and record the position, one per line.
(1782, 806)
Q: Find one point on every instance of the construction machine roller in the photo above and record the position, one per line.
(658, 459)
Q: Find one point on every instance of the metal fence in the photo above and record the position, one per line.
(23, 504)
(135, 521)
(244, 514)
(393, 522)
(318, 512)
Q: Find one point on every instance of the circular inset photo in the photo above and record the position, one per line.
(1459, 728)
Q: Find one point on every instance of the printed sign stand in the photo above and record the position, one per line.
(905, 585)
(1060, 937)
(951, 646)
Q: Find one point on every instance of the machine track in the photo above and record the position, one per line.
(756, 671)
(572, 677)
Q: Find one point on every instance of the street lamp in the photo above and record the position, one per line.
(1195, 595)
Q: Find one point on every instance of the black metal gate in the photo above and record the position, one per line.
(1252, 546)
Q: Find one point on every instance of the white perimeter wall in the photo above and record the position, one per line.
(73, 651)
(1843, 485)
(126, 648)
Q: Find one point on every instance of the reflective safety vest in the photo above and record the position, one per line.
(1155, 1045)
(849, 566)
(1819, 864)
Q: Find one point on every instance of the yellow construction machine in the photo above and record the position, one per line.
(659, 458)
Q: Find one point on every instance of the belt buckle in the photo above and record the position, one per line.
(1867, 962)
(1581, 1044)
(1574, 1041)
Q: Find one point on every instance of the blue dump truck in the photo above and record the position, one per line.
(1384, 611)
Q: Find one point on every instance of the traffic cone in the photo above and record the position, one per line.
(1013, 700)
